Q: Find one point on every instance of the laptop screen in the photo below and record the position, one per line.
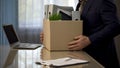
(10, 33)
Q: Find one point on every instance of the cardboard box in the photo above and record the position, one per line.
(57, 34)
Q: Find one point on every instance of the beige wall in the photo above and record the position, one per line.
(117, 39)
(118, 7)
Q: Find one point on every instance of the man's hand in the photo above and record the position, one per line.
(41, 37)
(79, 43)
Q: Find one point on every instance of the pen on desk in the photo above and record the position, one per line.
(38, 63)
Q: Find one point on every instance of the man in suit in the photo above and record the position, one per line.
(100, 26)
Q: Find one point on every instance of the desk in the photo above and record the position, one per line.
(12, 58)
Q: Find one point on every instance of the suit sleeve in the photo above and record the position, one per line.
(109, 17)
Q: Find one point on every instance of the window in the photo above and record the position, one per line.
(30, 13)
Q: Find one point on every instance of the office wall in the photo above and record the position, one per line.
(8, 15)
(117, 42)
(118, 7)
(117, 39)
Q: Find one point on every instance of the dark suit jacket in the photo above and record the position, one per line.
(101, 26)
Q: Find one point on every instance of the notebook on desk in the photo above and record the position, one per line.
(14, 40)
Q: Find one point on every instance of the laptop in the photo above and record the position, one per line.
(14, 40)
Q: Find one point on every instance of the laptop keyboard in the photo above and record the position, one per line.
(22, 45)
(26, 45)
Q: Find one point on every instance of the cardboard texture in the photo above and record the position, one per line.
(57, 34)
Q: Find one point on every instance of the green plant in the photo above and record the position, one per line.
(55, 17)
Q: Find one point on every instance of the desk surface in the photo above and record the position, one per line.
(12, 58)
